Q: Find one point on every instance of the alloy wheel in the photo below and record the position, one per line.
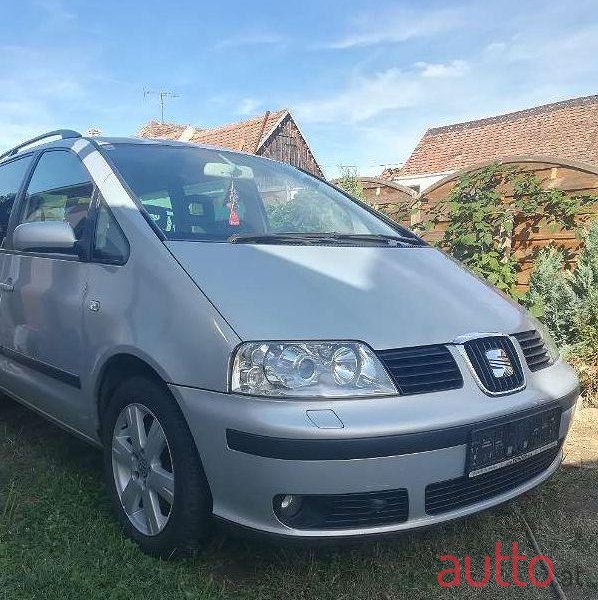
(143, 469)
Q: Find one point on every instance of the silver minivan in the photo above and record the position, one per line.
(247, 342)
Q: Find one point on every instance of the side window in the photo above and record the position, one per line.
(109, 244)
(11, 177)
(159, 207)
(60, 190)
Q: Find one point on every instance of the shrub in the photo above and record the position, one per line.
(551, 296)
(567, 302)
(349, 181)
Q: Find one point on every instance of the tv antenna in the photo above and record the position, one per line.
(163, 96)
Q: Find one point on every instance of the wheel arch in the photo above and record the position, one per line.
(114, 370)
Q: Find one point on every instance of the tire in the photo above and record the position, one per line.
(164, 489)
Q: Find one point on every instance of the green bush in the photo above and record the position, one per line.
(349, 181)
(567, 303)
(551, 296)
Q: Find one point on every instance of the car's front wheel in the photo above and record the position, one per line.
(153, 471)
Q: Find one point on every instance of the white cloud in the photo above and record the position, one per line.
(365, 97)
(249, 106)
(454, 68)
(397, 26)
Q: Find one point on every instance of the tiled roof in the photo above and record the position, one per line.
(247, 135)
(567, 130)
(155, 129)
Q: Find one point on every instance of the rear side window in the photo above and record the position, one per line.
(60, 190)
(11, 178)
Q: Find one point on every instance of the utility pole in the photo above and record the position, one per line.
(163, 96)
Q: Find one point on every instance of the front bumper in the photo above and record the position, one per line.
(365, 445)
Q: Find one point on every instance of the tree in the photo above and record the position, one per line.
(349, 181)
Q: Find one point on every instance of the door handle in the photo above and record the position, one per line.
(7, 287)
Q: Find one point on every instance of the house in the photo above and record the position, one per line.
(565, 130)
(273, 135)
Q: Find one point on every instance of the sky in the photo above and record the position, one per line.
(363, 79)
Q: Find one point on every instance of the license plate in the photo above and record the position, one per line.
(495, 447)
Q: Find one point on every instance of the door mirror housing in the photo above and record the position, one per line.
(44, 236)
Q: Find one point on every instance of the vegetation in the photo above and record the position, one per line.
(349, 181)
(307, 212)
(567, 302)
(483, 209)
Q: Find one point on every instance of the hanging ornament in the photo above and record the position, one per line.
(233, 206)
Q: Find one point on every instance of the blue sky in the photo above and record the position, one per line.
(363, 79)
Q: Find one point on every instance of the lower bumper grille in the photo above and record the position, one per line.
(446, 496)
(347, 511)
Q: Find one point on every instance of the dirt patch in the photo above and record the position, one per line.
(581, 446)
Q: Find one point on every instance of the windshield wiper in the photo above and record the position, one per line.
(389, 240)
(272, 238)
(309, 239)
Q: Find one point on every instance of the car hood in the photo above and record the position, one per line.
(386, 297)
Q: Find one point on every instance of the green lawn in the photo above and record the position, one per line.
(58, 539)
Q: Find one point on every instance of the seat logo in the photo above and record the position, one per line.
(500, 363)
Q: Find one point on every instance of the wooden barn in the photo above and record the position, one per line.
(273, 135)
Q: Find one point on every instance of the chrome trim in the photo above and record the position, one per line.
(458, 343)
(460, 340)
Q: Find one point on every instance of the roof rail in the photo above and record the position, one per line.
(64, 134)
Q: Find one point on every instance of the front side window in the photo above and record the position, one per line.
(60, 190)
(199, 194)
(109, 243)
(11, 178)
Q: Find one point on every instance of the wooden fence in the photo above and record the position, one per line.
(573, 178)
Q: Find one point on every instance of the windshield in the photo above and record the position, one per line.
(199, 194)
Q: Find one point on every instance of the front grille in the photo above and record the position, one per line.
(504, 374)
(347, 511)
(422, 369)
(534, 349)
(446, 496)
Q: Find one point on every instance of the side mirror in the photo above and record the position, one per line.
(44, 236)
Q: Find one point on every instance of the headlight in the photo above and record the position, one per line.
(327, 369)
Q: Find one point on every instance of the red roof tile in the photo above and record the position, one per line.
(566, 130)
(167, 131)
(247, 135)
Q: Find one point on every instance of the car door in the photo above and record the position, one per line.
(12, 177)
(43, 293)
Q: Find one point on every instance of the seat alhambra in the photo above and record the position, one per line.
(247, 342)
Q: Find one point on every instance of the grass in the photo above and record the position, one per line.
(58, 539)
